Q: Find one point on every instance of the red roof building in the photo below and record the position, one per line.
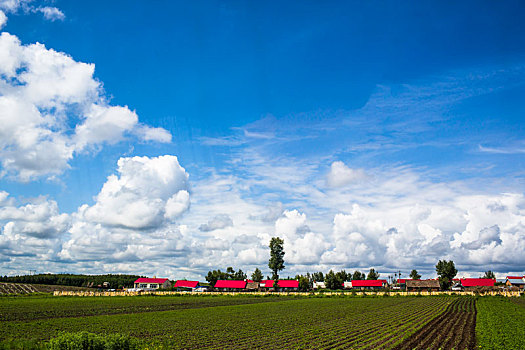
(152, 283)
(230, 284)
(186, 284)
(280, 284)
(368, 283)
(477, 282)
(403, 280)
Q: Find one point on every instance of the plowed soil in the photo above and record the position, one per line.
(453, 329)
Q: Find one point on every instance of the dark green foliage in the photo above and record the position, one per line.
(276, 262)
(414, 275)
(372, 275)
(333, 281)
(358, 275)
(90, 341)
(343, 276)
(304, 283)
(446, 270)
(230, 274)
(317, 277)
(489, 274)
(215, 275)
(115, 281)
(257, 275)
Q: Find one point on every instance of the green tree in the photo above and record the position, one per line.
(215, 275)
(343, 276)
(231, 272)
(446, 271)
(333, 281)
(276, 262)
(240, 275)
(257, 275)
(372, 275)
(358, 275)
(304, 283)
(414, 275)
(317, 277)
(489, 274)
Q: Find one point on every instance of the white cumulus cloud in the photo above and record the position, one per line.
(52, 108)
(341, 175)
(145, 192)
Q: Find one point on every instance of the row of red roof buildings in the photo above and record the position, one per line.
(293, 285)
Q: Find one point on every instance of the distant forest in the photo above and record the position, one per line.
(96, 281)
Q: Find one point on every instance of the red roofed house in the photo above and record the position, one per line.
(368, 284)
(477, 282)
(152, 283)
(230, 285)
(183, 284)
(288, 285)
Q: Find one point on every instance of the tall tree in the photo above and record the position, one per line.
(358, 275)
(414, 275)
(276, 262)
(372, 275)
(489, 274)
(257, 275)
(446, 271)
(333, 281)
(239, 275)
(343, 276)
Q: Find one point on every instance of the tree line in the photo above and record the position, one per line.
(115, 281)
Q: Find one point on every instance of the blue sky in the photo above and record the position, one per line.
(366, 134)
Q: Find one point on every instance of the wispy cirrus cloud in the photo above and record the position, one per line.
(502, 150)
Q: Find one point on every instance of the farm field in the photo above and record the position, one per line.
(501, 323)
(244, 322)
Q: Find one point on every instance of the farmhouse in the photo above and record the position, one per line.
(230, 285)
(152, 283)
(515, 281)
(422, 285)
(184, 285)
(368, 284)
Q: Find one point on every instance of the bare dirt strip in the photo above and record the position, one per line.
(453, 329)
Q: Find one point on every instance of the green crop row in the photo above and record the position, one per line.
(500, 324)
(230, 322)
(45, 307)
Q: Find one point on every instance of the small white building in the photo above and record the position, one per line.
(152, 283)
(319, 285)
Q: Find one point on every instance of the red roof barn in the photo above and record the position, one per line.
(280, 283)
(368, 283)
(230, 284)
(477, 282)
(186, 284)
